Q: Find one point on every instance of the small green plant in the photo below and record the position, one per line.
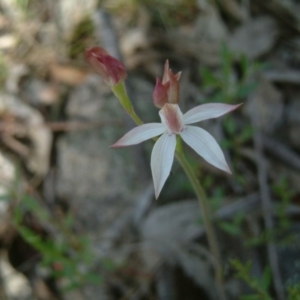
(225, 85)
(260, 286)
(65, 254)
(294, 292)
(81, 37)
(233, 227)
(285, 194)
(235, 135)
(280, 233)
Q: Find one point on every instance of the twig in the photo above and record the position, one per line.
(76, 126)
(266, 199)
(21, 129)
(15, 145)
(282, 151)
(165, 283)
(283, 12)
(144, 204)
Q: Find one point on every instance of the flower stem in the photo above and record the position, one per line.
(121, 93)
(206, 214)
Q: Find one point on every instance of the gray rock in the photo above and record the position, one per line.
(168, 234)
(293, 113)
(266, 105)
(255, 38)
(100, 182)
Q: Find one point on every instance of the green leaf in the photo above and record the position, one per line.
(230, 228)
(266, 279)
(209, 79)
(245, 65)
(94, 278)
(231, 126)
(246, 89)
(251, 297)
(246, 134)
(227, 58)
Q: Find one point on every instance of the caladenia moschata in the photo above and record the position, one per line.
(174, 127)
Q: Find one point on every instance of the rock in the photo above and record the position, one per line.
(174, 223)
(289, 258)
(235, 10)
(266, 104)
(37, 92)
(168, 234)
(209, 26)
(255, 37)
(293, 112)
(203, 40)
(95, 178)
(99, 182)
(15, 284)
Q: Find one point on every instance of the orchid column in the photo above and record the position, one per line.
(174, 128)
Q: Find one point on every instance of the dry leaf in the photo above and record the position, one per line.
(68, 74)
(36, 131)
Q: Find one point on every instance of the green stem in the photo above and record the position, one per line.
(207, 218)
(121, 93)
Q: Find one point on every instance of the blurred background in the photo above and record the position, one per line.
(78, 220)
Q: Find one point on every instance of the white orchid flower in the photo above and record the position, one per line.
(173, 123)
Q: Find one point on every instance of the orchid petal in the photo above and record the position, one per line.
(161, 160)
(207, 111)
(140, 134)
(206, 146)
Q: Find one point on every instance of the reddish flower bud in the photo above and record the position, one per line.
(110, 68)
(167, 90)
(160, 95)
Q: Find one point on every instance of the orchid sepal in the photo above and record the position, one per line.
(162, 158)
(139, 134)
(208, 111)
